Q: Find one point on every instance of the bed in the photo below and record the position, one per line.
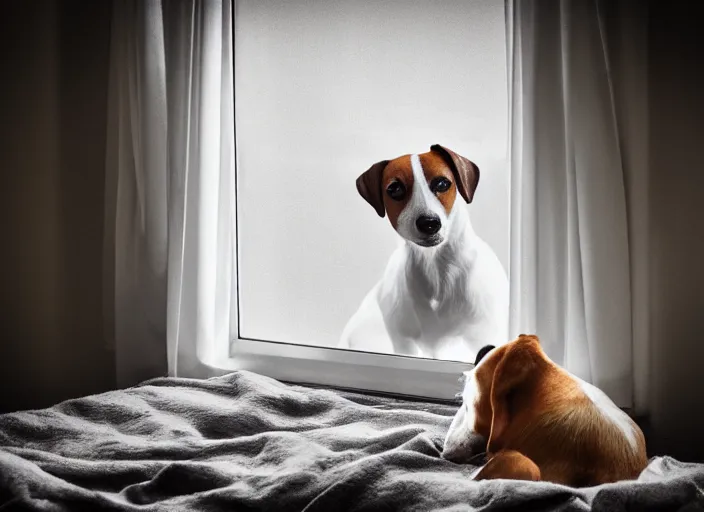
(244, 442)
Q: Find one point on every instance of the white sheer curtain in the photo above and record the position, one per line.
(574, 188)
(170, 184)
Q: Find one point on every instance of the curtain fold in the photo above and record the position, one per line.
(571, 262)
(170, 185)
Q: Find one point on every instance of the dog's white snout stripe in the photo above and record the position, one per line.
(423, 201)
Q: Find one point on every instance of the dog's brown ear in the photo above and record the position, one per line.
(369, 186)
(466, 172)
(516, 366)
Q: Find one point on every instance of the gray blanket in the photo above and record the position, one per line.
(244, 442)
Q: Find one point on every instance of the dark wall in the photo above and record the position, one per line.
(53, 97)
(677, 227)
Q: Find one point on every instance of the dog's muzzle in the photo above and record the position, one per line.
(468, 449)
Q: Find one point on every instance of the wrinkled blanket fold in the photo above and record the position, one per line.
(244, 442)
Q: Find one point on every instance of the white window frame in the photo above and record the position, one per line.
(320, 366)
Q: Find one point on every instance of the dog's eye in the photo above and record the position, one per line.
(396, 190)
(440, 185)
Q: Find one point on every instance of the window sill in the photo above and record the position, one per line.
(402, 376)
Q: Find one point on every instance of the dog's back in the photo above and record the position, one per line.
(579, 440)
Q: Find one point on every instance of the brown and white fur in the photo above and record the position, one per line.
(536, 421)
(444, 293)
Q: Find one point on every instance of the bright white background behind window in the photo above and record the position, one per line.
(323, 90)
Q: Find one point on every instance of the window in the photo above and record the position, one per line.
(323, 89)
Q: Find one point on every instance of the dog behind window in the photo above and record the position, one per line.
(444, 293)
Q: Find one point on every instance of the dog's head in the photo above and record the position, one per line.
(418, 192)
(496, 391)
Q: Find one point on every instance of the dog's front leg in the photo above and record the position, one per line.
(401, 323)
(403, 335)
(405, 346)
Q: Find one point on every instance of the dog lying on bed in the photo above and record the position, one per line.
(536, 421)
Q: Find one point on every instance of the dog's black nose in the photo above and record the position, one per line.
(428, 225)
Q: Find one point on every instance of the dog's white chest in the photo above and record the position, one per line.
(442, 303)
(453, 311)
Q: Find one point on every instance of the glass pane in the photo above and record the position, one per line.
(324, 89)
